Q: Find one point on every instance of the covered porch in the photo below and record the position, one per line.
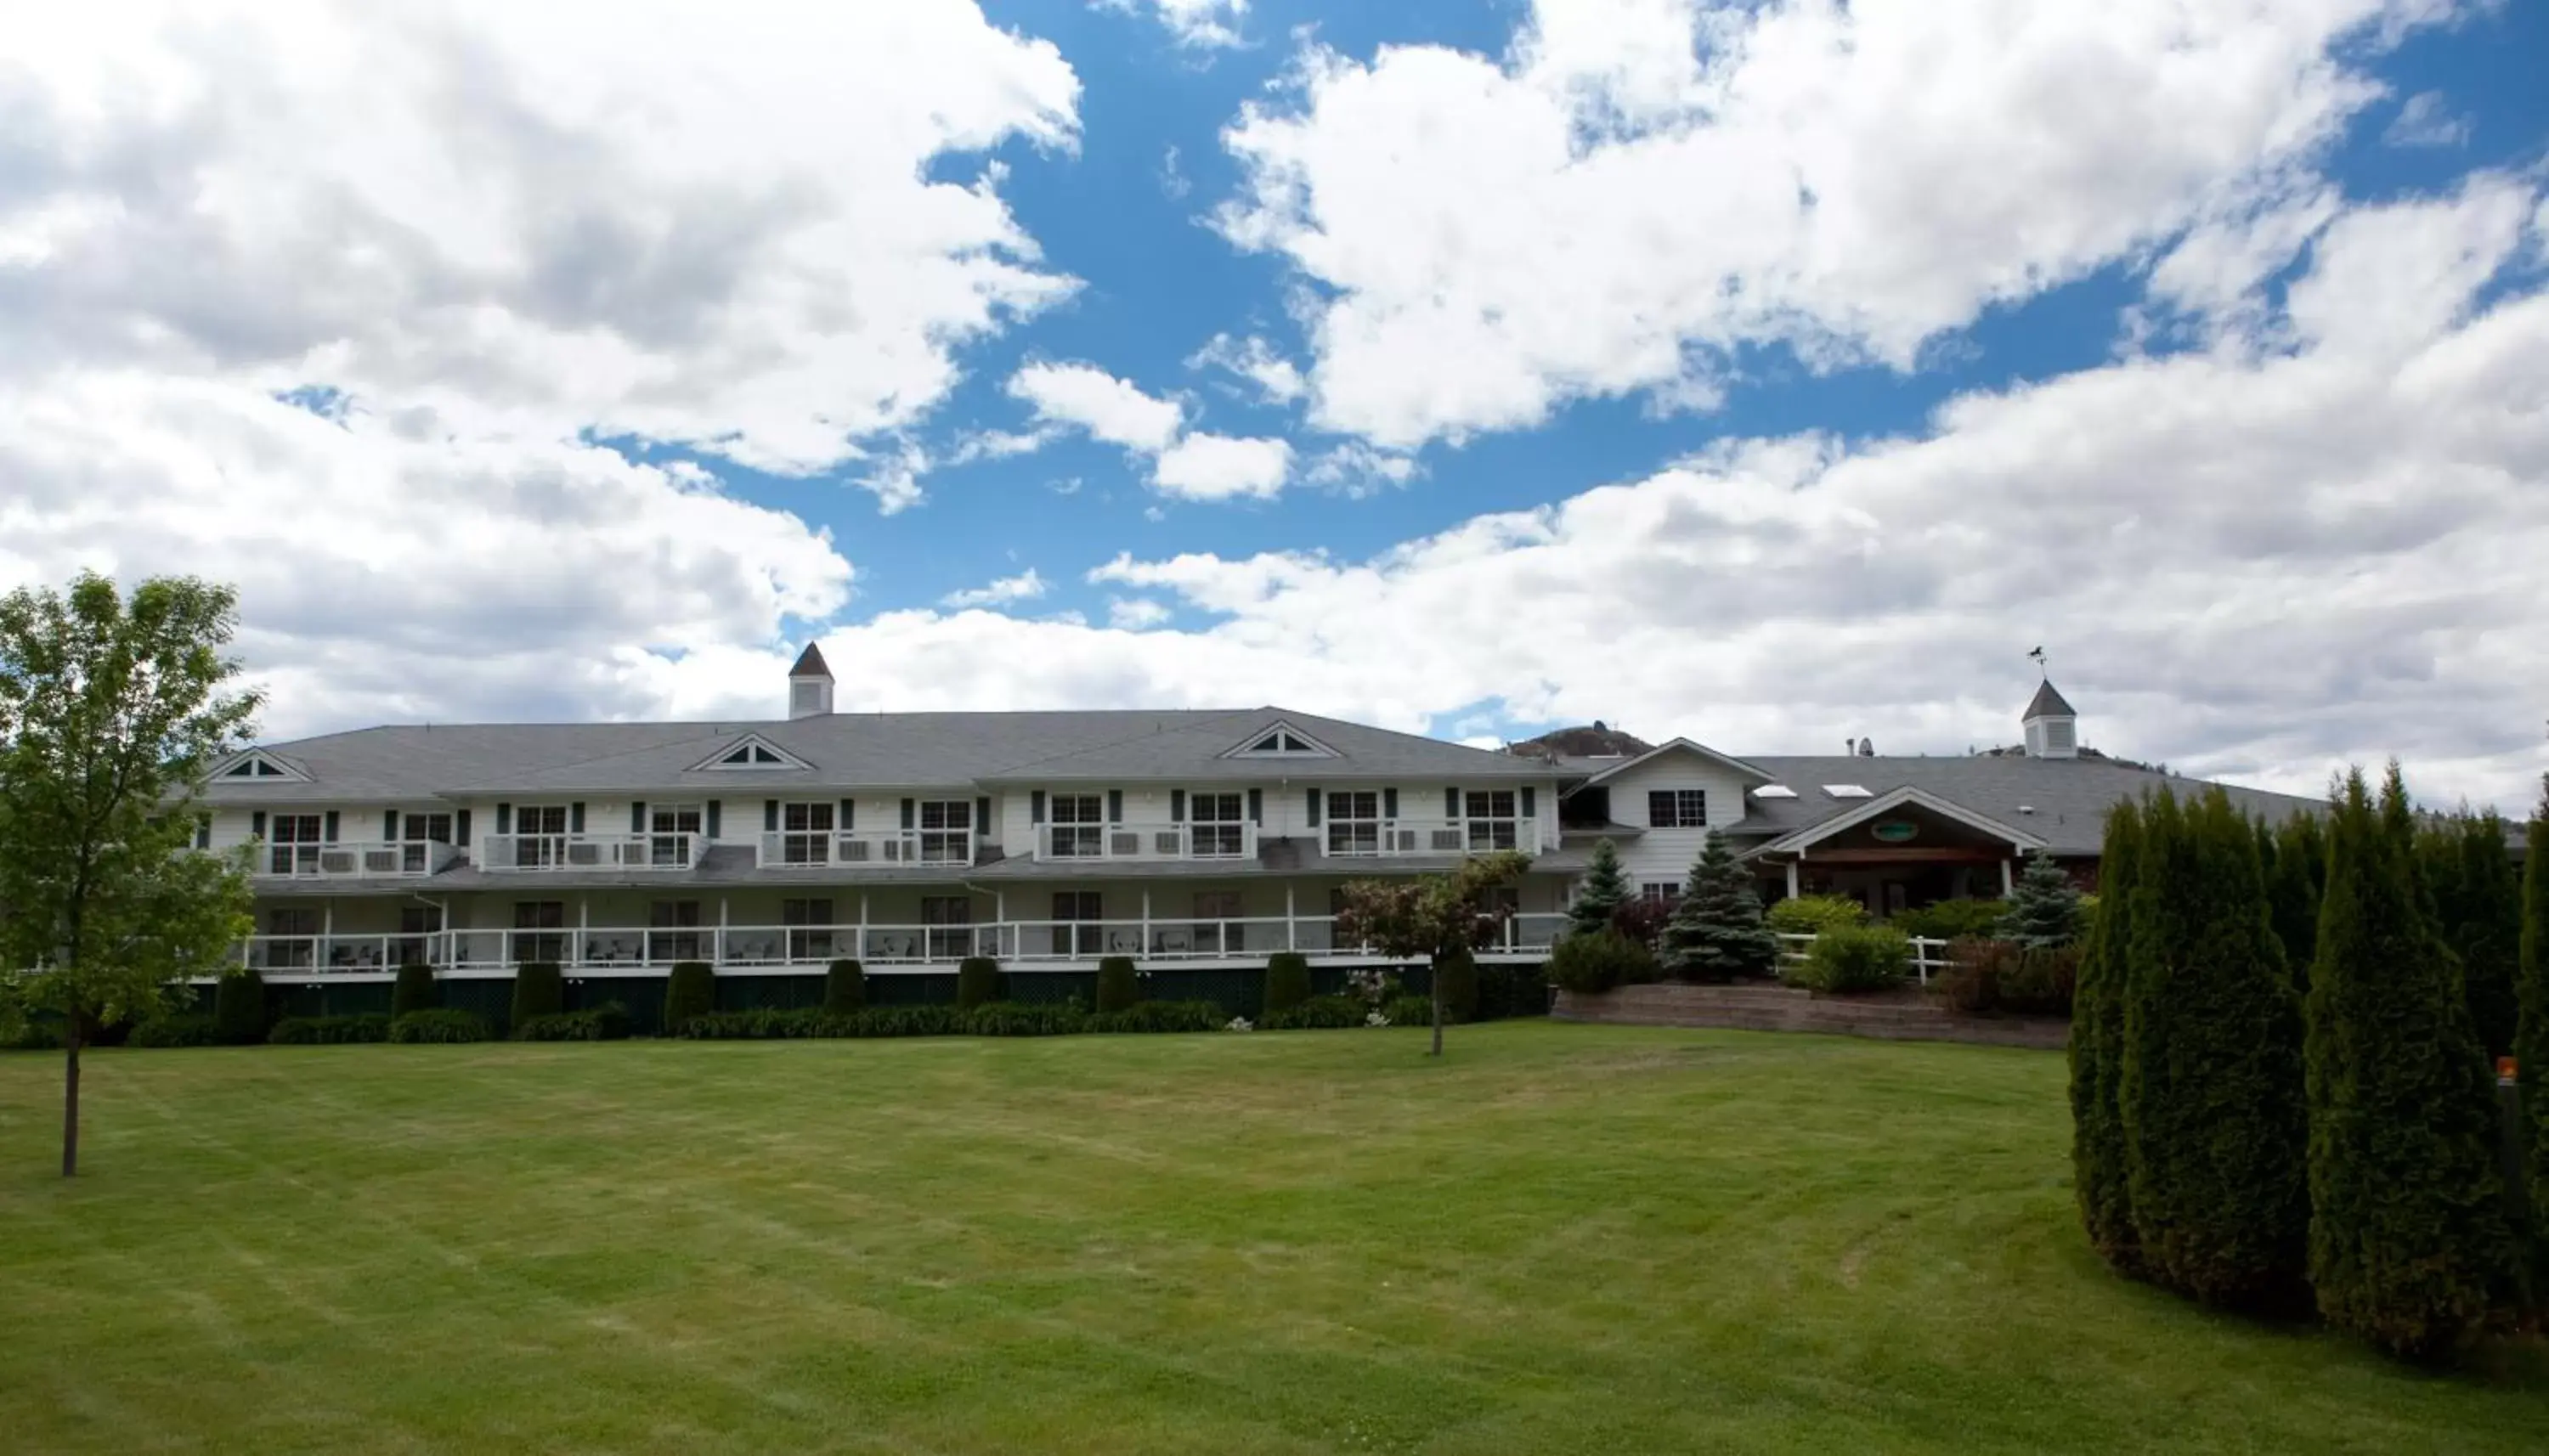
(1899, 850)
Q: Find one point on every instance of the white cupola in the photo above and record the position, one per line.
(2052, 727)
(810, 686)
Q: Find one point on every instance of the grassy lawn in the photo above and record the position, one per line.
(1566, 1238)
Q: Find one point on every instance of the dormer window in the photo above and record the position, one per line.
(748, 752)
(1283, 741)
(257, 766)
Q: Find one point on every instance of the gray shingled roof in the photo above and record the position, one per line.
(2048, 701)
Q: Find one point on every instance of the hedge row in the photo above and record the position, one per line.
(990, 1019)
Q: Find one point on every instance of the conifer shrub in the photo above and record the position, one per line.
(1717, 931)
(2478, 909)
(2045, 905)
(1119, 985)
(1322, 1012)
(1455, 982)
(539, 991)
(441, 1025)
(1809, 915)
(2531, 1035)
(2100, 1170)
(689, 991)
(1288, 981)
(2293, 878)
(1953, 920)
(416, 991)
(979, 982)
(238, 1008)
(186, 1028)
(845, 988)
(1605, 888)
(2409, 1246)
(329, 1031)
(1594, 963)
(1847, 959)
(2212, 1061)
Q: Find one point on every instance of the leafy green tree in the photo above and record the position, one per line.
(2410, 1245)
(1600, 896)
(112, 713)
(1432, 916)
(1717, 931)
(2098, 1164)
(2531, 1039)
(2043, 906)
(2478, 909)
(2216, 1127)
(2294, 877)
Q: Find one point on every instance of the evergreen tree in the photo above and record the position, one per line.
(2043, 906)
(2211, 1088)
(1605, 888)
(2477, 908)
(2409, 1246)
(1717, 931)
(2293, 889)
(2098, 1160)
(2532, 1039)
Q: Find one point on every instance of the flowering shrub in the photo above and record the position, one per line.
(1239, 1024)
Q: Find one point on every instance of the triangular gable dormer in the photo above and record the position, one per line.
(750, 752)
(258, 767)
(1677, 746)
(1279, 740)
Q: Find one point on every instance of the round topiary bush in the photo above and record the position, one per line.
(539, 991)
(1855, 958)
(690, 991)
(416, 991)
(1119, 985)
(978, 982)
(238, 1008)
(845, 988)
(1809, 915)
(1288, 981)
(1456, 975)
(1594, 963)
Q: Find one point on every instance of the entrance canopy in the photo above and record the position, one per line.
(1905, 825)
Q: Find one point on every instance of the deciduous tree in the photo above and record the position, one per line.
(1432, 916)
(113, 710)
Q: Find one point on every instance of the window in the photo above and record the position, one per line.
(416, 831)
(1353, 822)
(1217, 829)
(1491, 819)
(671, 831)
(1677, 808)
(1078, 826)
(540, 835)
(751, 752)
(1072, 938)
(805, 834)
(293, 840)
(946, 831)
(673, 929)
(540, 928)
(257, 766)
(1282, 740)
(948, 920)
(1661, 892)
(804, 943)
(299, 949)
(415, 924)
(1211, 936)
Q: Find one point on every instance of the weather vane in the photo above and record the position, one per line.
(2036, 656)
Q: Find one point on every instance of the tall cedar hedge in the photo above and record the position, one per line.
(2296, 868)
(845, 988)
(2211, 1095)
(2410, 1245)
(238, 1008)
(539, 991)
(2477, 908)
(1119, 985)
(415, 991)
(1288, 981)
(2532, 1041)
(691, 990)
(978, 982)
(2100, 1177)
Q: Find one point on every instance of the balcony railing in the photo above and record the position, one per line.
(1364, 838)
(790, 849)
(1030, 944)
(353, 858)
(1210, 841)
(548, 852)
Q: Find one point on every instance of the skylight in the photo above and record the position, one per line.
(1848, 790)
(1774, 791)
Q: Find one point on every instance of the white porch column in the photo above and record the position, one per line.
(1146, 922)
(721, 935)
(2006, 883)
(863, 926)
(1793, 890)
(1001, 923)
(1291, 940)
(582, 927)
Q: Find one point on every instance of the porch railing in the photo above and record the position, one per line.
(790, 849)
(554, 851)
(1364, 838)
(1217, 840)
(353, 858)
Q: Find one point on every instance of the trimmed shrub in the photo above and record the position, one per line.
(1160, 1016)
(539, 991)
(689, 991)
(1288, 981)
(441, 1025)
(845, 988)
(1812, 915)
(1409, 1010)
(416, 991)
(1846, 959)
(1592, 965)
(2212, 1063)
(2409, 1246)
(190, 1030)
(1022, 1019)
(1717, 932)
(1953, 920)
(1321, 1013)
(1506, 990)
(1455, 980)
(1118, 984)
(1975, 965)
(979, 982)
(608, 1021)
(2046, 981)
(2045, 905)
(2101, 1170)
(762, 1025)
(238, 1008)
(329, 1031)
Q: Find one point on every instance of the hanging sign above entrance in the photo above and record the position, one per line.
(1895, 830)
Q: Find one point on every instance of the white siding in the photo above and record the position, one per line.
(1665, 855)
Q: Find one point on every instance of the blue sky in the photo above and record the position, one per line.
(2201, 348)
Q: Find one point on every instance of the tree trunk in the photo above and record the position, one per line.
(70, 1095)
(1438, 1011)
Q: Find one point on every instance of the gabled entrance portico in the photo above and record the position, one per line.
(1902, 848)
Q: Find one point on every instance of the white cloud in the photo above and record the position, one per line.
(2425, 119)
(1200, 24)
(1136, 613)
(1192, 465)
(1278, 378)
(1027, 586)
(1358, 470)
(1643, 185)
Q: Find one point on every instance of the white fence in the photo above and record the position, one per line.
(1928, 955)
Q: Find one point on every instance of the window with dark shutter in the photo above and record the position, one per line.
(1310, 804)
(1114, 806)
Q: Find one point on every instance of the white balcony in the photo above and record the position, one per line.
(353, 858)
(856, 849)
(1386, 838)
(588, 852)
(1153, 842)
